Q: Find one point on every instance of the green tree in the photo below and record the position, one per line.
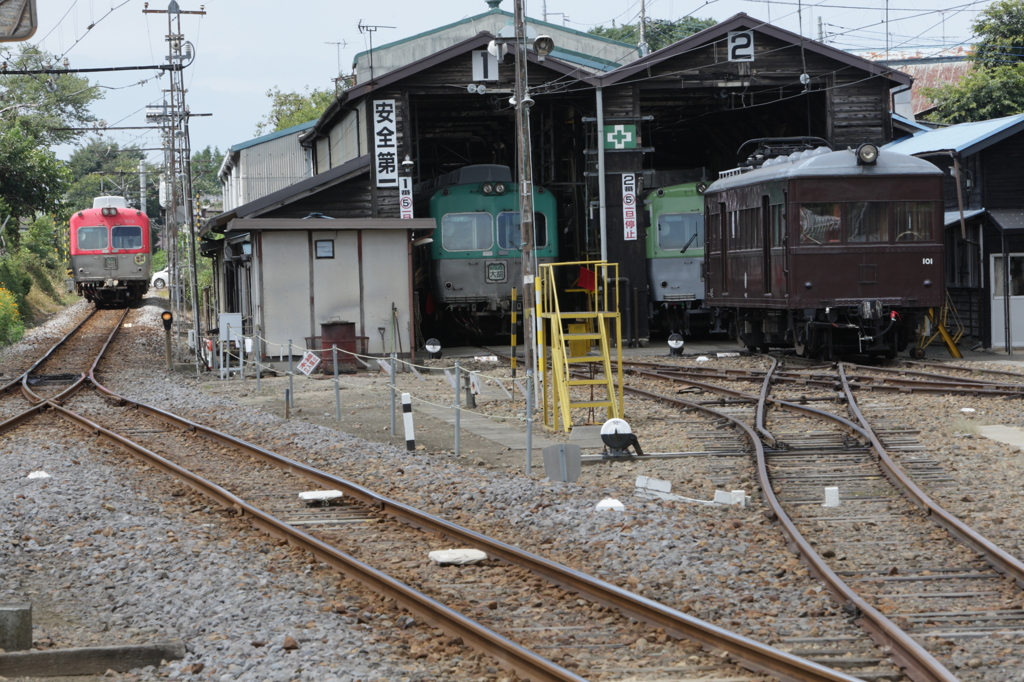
(980, 95)
(205, 167)
(995, 85)
(43, 104)
(31, 180)
(660, 32)
(289, 109)
(1000, 28)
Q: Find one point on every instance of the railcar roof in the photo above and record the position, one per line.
(828, 164)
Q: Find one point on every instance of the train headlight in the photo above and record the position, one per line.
(488, 188)
(108, 211)
(867, 154)
(499, 188)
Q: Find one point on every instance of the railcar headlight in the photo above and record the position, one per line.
(867, 154)
(488, 188)
(499, 188)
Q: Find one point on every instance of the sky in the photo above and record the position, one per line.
(245, 48)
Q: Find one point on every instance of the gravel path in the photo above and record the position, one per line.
(111, 552)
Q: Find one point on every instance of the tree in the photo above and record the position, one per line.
(660, 32)
(31, 180)
(1001, 29)
(995, 85)
(205, 167)
(43, 104)
(980, 95)
(101, 167)
(289, 109)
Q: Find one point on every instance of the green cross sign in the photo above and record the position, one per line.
(620, 136)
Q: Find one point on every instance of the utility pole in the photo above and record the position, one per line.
(643, 29)
(175, 119)
(522, 104)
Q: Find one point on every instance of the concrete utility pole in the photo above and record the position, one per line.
(522, 105)
(642, 45)
(175, 121)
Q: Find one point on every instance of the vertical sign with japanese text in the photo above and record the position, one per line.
(385, 142)
(629, 206)
(405, 197)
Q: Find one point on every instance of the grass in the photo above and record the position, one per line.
(964, 425)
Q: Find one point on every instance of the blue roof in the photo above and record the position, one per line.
(964, 138)
(910, 123)
(272, 136)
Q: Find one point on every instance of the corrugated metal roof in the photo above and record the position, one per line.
(1008, 219)
(964, 138)
(932, 75)
(272, 136)
(953, 217)
(909, 123)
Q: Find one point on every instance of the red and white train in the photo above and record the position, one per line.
(111, 253)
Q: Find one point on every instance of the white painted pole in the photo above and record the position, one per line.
(410, 436)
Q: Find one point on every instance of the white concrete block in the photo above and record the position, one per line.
(831, 496)
(320, 495)
(727, 355)
(703, 358)
(967, 410)
(39, 474)
(610, 504)
(740, 497)
(657, 485)
(485, 358)
(457, 557)
(723, 497)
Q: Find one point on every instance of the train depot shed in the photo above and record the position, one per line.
(985, 157)
(600, 133)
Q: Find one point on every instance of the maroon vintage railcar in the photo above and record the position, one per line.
(830, 252)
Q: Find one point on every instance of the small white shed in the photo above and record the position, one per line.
(304, 272)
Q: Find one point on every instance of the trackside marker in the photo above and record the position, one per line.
(410, 436)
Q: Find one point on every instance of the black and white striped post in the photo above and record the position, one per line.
(410, 436)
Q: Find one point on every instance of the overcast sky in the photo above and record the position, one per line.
(244, 48)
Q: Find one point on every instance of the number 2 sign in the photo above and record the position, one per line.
(741, 46)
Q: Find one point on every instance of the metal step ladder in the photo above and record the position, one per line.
(572, 322)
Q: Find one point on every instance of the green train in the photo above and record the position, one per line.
(475, 259)
(675, 253)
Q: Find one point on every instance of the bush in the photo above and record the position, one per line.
(11, 326)
(17, 283)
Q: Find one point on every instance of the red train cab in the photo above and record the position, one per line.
(111, 253)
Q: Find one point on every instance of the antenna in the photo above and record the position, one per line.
(366, 28)
(340, 44)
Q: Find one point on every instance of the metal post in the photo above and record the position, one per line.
(291, 384)
(513, 359)
(259, 368)
(394, 363)
(410, 434)
(167, 349)
(287, 403)
(525, 185)
(470, 398)
(529, 420)
(458, 407)
(602, 210)
(220, 354)
(337, 389)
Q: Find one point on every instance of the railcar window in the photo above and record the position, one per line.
(1016, 275)
(92, 238)
(867, 221)
(510, 236)
(778, 226)
(821, 223)
(677, 231)
(914, 221)
(467, 232)
(127, 236)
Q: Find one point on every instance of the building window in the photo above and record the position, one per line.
(1016, 275)
(324, 248)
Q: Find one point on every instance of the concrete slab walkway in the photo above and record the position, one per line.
(510, 435)
(1010, 435)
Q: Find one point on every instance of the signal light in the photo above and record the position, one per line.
(167, 318)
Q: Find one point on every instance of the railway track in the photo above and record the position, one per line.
(941, 595)
(342, 533)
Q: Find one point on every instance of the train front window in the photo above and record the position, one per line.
(914, 221)
(92, 238)
(867, 221)
(510, 236)
(127, 236)
(680, 231)
(467, 232)
(821, 223)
